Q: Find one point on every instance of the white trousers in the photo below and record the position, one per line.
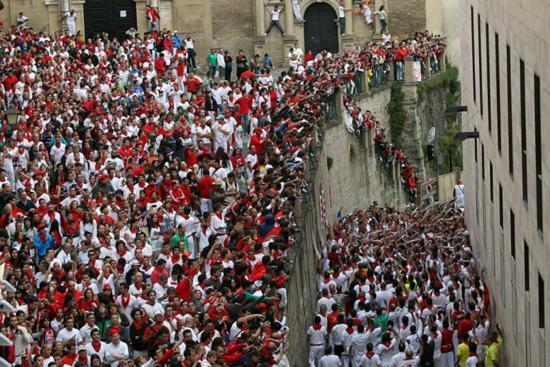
(315, 354)
(447, 359)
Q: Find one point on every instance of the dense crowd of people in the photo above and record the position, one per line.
(146, 212)
(401, 288)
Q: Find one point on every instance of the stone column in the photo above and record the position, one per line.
(289, 18)
(409, 74)
(427, 67)
(78, 6)
(165, 13)
(348, 4)
(141, 21)
(391, 73)
(365, 81)
(260, 17)
(63, 9)
(53, 15)
(442, 63)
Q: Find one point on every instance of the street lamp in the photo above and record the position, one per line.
(463, 135)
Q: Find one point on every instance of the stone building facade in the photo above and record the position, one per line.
(506, 86)
(231, 24)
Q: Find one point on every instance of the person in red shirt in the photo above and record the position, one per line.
(192, 83)
(9, 81)
(400, 54)
(152, 17)
(257, 141)
(204, 186)
(245, 107)
(70, 358)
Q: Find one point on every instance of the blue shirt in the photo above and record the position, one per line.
(43, 246)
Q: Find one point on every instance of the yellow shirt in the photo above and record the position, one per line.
(462, 354)
(493, 353)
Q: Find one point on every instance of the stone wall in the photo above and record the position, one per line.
(36, 10)
(406, 16)
(233, 24)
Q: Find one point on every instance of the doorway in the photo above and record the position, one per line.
(114, 17)
(320, 29)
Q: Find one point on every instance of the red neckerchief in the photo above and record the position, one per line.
(125, 301)
(349, 330)
(96, 346)
(316, 326)
(175, 258)
(473, 354)
(370, 354)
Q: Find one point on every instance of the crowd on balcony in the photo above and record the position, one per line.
(401, 288)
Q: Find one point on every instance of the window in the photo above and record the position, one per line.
(473, 52)
(542, 320)
(488, 63)
(497, 82)
(512, 234)
(491, 181)
(475, 146)
(523, 119)
(526, 264)
(479, 64)
(500, 208)
(510, 126)
(482, 162)
(538, 154)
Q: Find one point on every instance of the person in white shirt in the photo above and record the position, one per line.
(70, 20)
(336, 336)
(409, 360)
(399, 357)
(69, 335)
(96, 346)
(473, 359)
(116, 350)
(220, 60)
(22, 21)
(210, 360)
(358, 345)
(458, 194)
(386, 349)
(342, 16)
(86, 330)
(326, 300)
(329, 359)
(222, 133)
(57, 151)
(152, 307)
(370, 359)
(317, 334)
(275, 15)
(64, 256)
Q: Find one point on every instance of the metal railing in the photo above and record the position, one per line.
(330, 108)
(378, 76)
